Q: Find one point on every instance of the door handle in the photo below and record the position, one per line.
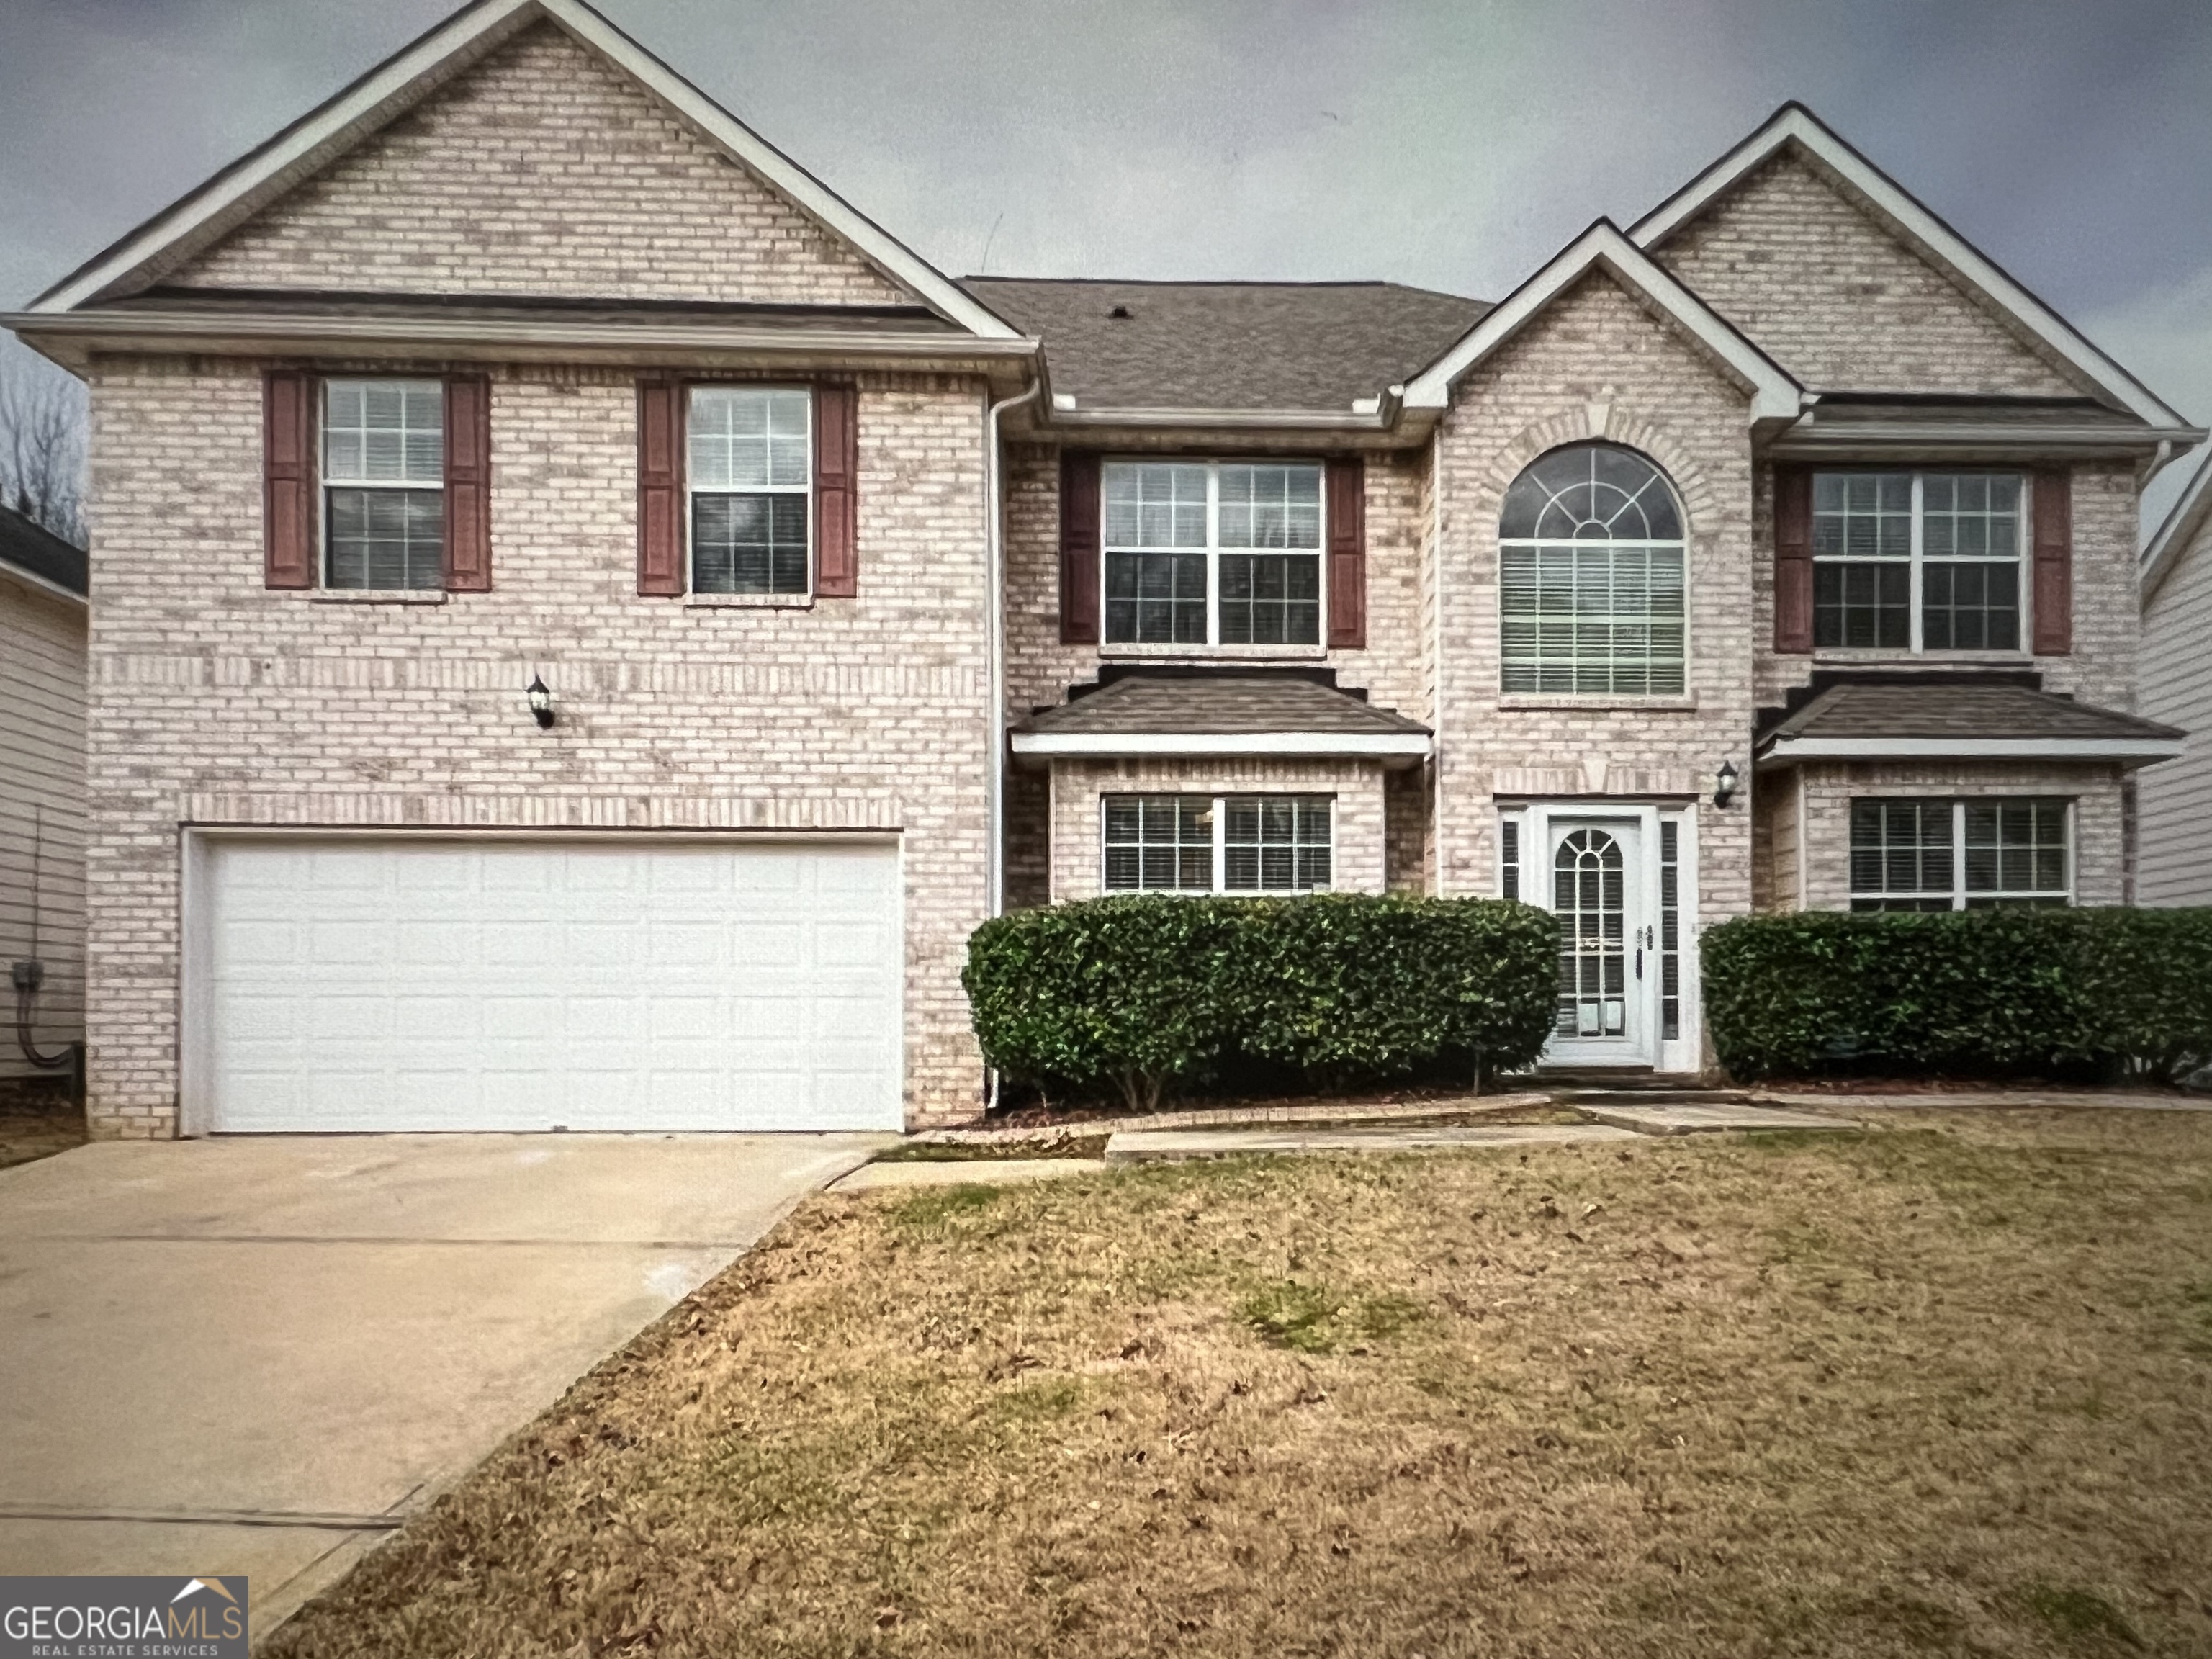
(1639, 961)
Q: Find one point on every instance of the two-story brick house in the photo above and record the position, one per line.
(585, 623)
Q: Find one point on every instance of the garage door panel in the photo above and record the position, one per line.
(395, 984)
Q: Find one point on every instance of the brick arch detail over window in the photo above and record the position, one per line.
(1603, 421)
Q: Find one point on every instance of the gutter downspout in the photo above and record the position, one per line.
(994, 561)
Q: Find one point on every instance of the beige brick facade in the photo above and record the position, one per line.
(543, 170)
(218, 699)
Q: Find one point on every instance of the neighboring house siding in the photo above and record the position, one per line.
(1076, 787)
(2175, 797)
(42, 809)
(1596, 364)
(532, 174)
(221, 701)
(1827, 792)
(1837, 301)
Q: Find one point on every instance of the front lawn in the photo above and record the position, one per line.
(1943, 1387)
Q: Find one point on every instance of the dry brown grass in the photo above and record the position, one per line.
(1940, 1388)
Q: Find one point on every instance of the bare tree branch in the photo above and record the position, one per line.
(42, 452)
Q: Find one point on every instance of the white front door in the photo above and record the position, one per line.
(1594, 879)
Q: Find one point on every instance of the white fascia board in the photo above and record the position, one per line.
(1788, 751)
(15, 572)
(1774, 394)
(1809, 437)
(262, 175)
(813, 197)
(1217, 419)
(1107, 746)
(2178, 530)
(1906, 216)
(395, 85)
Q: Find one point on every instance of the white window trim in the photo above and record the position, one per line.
(1212, 646)
(2023, 564)
(325, 483)
(800, 600)
(1959, 894)
(1218, 805)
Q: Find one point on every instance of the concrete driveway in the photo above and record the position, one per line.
(258, 1356)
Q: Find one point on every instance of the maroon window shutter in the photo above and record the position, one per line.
(1347, 554)
(836, 492)
(468, 484)
(1078, 548)
(1793, 558)
(2054, 563)
(660, 487)
(288, 478)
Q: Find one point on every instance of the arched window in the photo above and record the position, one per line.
(1590, 576)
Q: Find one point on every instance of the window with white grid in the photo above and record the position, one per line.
(1217, 843)
(1591, 585)
(384, 478)
(1992, 853)
(1918, 560)
(1212, 553)
(751, 476)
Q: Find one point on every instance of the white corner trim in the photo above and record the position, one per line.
(15, 572)
(2178, 529)
(261, 176)
(1774, 394)
(1890, 201)
(1787, 751)
(1107, 745)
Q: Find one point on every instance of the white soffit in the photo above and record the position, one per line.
(1906, 217)
(1787, 751)
(404, 80)
(2172, 537)
(1110, 744)
(1774, 394)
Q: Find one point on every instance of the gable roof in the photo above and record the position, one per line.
(1245, 346)
(405, 80)
(1775, 395)
(2177, 530)
(29, 548)
(1796, 127)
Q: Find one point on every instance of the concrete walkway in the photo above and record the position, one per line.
(260, 1355)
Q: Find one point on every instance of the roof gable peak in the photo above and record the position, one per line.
(402, 81)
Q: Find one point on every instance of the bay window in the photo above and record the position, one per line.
(1992, 853)
(1217, 844)
(1918, 560)
(1208, 553)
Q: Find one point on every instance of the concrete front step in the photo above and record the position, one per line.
(1142, 1145)
(1684, 1117)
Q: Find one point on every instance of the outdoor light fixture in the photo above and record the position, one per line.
(541, 701)
(1724, 783)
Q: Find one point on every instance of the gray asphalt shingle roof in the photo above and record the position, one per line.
(1309, 346)
(1216, 705)
(33, 547)
(1946, 709)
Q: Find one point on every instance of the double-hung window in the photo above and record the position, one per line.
(383, 472)
(751, 474)
(1217, 844)
(1203, 554)
(1918, 560)
(1992, 853)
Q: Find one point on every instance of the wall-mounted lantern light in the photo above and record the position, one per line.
(541, 701)
(1724, 784)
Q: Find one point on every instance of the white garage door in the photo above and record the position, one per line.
(354, 984)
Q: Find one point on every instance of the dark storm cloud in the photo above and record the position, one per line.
(1451, 145)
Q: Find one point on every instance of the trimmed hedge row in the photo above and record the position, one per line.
(1139, 992)
(2077, 992)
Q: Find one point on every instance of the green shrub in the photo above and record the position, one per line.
(1136, 994)
(2035, 993)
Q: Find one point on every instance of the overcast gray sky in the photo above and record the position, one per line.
(1451, 145)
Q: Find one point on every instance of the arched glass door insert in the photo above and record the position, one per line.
(1590, 898)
